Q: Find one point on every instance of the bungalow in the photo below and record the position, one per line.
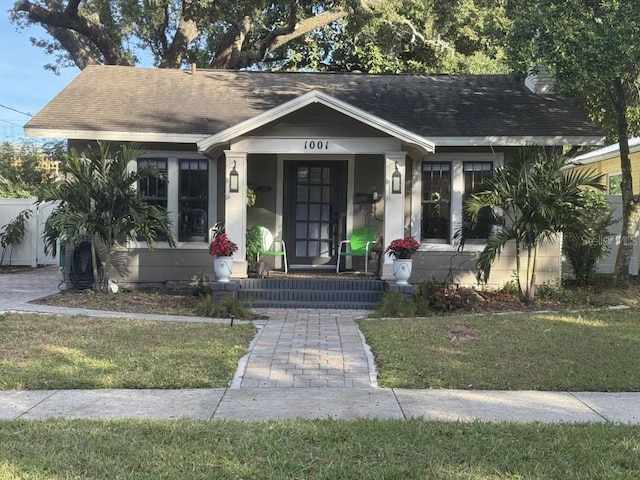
(325, 154)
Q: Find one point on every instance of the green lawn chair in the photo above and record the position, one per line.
(360, 244)
(268, 244)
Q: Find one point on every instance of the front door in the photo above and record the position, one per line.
(315, 206)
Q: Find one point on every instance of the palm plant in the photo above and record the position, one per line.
(98, 198)
(13, 234)
(531, 200)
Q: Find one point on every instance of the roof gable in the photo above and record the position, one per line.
(315, 97)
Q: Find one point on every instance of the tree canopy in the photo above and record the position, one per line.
(23, 169)
(365, 35)
(592, 49)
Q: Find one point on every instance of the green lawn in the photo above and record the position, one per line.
(591, 350)
(56, 352)
(322, 449)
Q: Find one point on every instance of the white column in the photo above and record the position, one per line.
(393, 206)
(235, 210)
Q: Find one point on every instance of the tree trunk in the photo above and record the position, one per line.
(530, 288)
(70, 19)
(630, 209)
(531, 293)
(233, 53)
(186, 33)
(521, 293)
(94, 266)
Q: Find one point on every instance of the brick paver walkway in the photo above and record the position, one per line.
(308, 348)
(17, 289)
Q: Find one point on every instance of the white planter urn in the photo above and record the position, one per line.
(402, 270)
(222, 267)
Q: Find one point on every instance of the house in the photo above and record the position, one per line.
(320, 150)
(606, 162)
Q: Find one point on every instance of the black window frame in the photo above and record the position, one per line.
(193, 204)
(485, 217)
(436, 202)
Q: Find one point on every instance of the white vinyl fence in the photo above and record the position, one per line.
(614, 240)
(31, 251)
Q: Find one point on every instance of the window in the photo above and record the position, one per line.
(475, 176)
(193, 199)
(436, 200)
(154, 189)
(614, 184)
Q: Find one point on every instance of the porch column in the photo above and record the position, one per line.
(393, 206)
(235, 210)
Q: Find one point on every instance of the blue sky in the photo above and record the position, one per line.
(24, 83)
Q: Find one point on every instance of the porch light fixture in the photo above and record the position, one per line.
(396, 181)
(234, 180)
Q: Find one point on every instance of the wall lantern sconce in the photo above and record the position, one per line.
(396, 181)
(234, 180)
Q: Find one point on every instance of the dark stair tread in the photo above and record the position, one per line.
(318, 305)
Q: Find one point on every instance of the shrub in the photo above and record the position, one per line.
(589, 245)
(555, 291)
(200, 286)
(228, 306)
(395, 304)
(431, 295)
(424, 294)
(254, 242)
(510, 287)
(450, 300)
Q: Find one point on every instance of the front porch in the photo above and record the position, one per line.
(320, 170)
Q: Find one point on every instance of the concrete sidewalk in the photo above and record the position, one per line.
(303, 363)
(259, 404)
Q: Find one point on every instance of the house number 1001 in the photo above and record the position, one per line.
(316, 145)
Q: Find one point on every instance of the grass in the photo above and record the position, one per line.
(595, 350)
(56, 352)
(322, 449)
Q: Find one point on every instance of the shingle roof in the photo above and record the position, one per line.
(128, 99)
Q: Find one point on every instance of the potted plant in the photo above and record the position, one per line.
(222, 248)
(401, 249)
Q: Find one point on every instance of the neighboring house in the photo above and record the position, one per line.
(320, 150)
(606, 162)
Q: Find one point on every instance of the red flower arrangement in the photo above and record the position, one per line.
(403, 247)
(221, 246)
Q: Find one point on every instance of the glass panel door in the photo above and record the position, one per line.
(317, 210)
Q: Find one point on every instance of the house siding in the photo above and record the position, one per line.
(611, 166)
(163, 267)
(459, 268)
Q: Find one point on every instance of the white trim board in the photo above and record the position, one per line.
(316, 145)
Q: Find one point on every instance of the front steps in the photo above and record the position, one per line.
(338, 293)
